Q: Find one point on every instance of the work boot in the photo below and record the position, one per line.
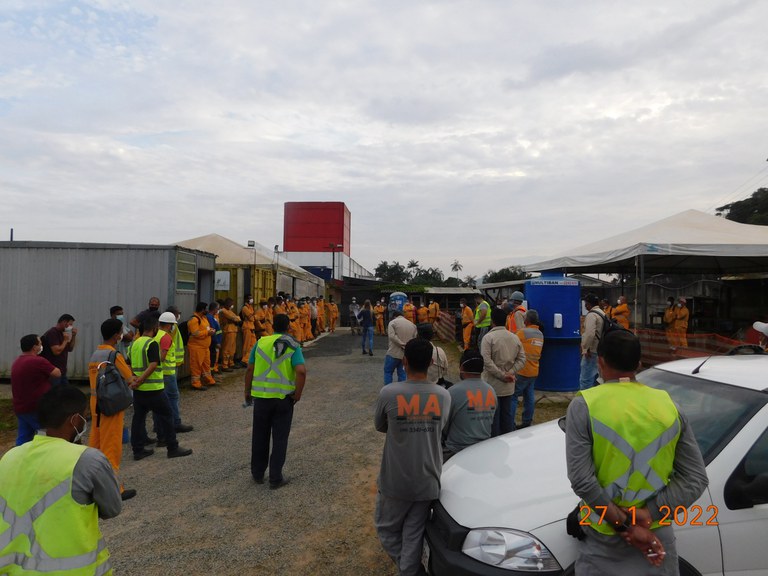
(127, 494)
(181, 428)
(179, 452)
(143, 454)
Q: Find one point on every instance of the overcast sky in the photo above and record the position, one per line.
(487, 131)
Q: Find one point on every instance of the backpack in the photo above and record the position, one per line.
(112, 393)
(609, 325)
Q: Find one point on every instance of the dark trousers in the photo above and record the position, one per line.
(155, 401)
(504, 417)
(271, 419)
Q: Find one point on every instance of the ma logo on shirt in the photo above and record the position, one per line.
(410, 408)
(478, 404)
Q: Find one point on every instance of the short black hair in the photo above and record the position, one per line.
(472, 361)
(418, 352)
(150, 323)
(114, 310)
(66, 318)
(621, 350)
(532, 317)
(110, 327)
(281, 322)
(58, 404)
(591, 298)
(498, 317)
(213, 306)
(201, 307)
(173, 310)
(425, 330)
(28, 342)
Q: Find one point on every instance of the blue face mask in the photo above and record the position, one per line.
(120, 317)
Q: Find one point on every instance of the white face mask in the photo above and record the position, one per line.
(40, 351)
(79, 435)
(264, 307)
(68, 329)
(618, 302)
(679, 305)
(462, 305)
(120, 338)
(250, 301)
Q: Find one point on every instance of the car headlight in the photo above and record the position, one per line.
(509, 549)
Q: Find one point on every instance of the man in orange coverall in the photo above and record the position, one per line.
(107, 431)
(199, 344)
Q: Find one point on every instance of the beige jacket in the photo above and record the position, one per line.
(502, 353)
(593, 327)
(400, 331)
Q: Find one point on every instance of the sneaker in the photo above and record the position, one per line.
(181, 428)
(143, 454)
(127, 494)
(179, 452)
(280, 484)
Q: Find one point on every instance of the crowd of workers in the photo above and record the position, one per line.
(427, 419)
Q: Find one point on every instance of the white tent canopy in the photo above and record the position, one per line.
(688, 242)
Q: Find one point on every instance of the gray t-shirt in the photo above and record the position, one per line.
(412, 414)
(94, 481)
(473, 404)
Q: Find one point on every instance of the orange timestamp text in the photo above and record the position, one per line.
(679, 515)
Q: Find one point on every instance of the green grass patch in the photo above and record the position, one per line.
(7, 416)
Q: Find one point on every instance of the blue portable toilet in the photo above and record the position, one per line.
(396, 301)
(557, 299)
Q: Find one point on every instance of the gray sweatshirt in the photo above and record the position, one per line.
(412, 414)
(473, 404)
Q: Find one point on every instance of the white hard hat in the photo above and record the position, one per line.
(761, 327)
(167, 318)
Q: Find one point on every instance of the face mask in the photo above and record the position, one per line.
(679, 305)
(120, 317)
(264, 307)
(250, 301)
(79, 435)
(120, 338)
(153, 308)
(68, 329)
(40, 351)
(618, 302)
(462, 305)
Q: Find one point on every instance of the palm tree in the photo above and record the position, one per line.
(469, 279)
(456, 267)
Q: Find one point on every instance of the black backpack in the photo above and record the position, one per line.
(609, 325)
(112, 393)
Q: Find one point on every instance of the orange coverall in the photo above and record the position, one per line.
(107, 431)
(621, 315)
(467, 324)
(434, 312)
(378, 311)
(199, 350)
(229, 321)
(409, 312)
(249, 338)
(422, 314)
(333, 316)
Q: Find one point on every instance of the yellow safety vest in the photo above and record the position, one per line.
(178, 347)
(139, 364)
(43, 530)
(635, 430)
(273, 375)
(487, 320)
(169, 364)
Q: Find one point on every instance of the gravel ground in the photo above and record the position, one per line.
(203, 514)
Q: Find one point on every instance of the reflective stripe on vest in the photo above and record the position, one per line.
(168, 365)
(43, 529)
(487, 320)
(178, 347)
(140, 362)
(273, 377)
(635, 430)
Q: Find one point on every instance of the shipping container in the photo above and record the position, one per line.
(40, 281)
(316, 227)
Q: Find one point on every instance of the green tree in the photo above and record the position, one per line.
(752, 210)
(456, 267)
(428, 277)
(394, 273)
(505, 275)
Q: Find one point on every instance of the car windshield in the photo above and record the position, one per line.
(715, 411)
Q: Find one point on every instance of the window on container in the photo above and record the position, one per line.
(186, 271)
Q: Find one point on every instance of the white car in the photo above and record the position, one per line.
(503, 502)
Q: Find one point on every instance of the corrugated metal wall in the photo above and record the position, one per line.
(41, 281)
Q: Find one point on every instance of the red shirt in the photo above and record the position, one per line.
(29, 381)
